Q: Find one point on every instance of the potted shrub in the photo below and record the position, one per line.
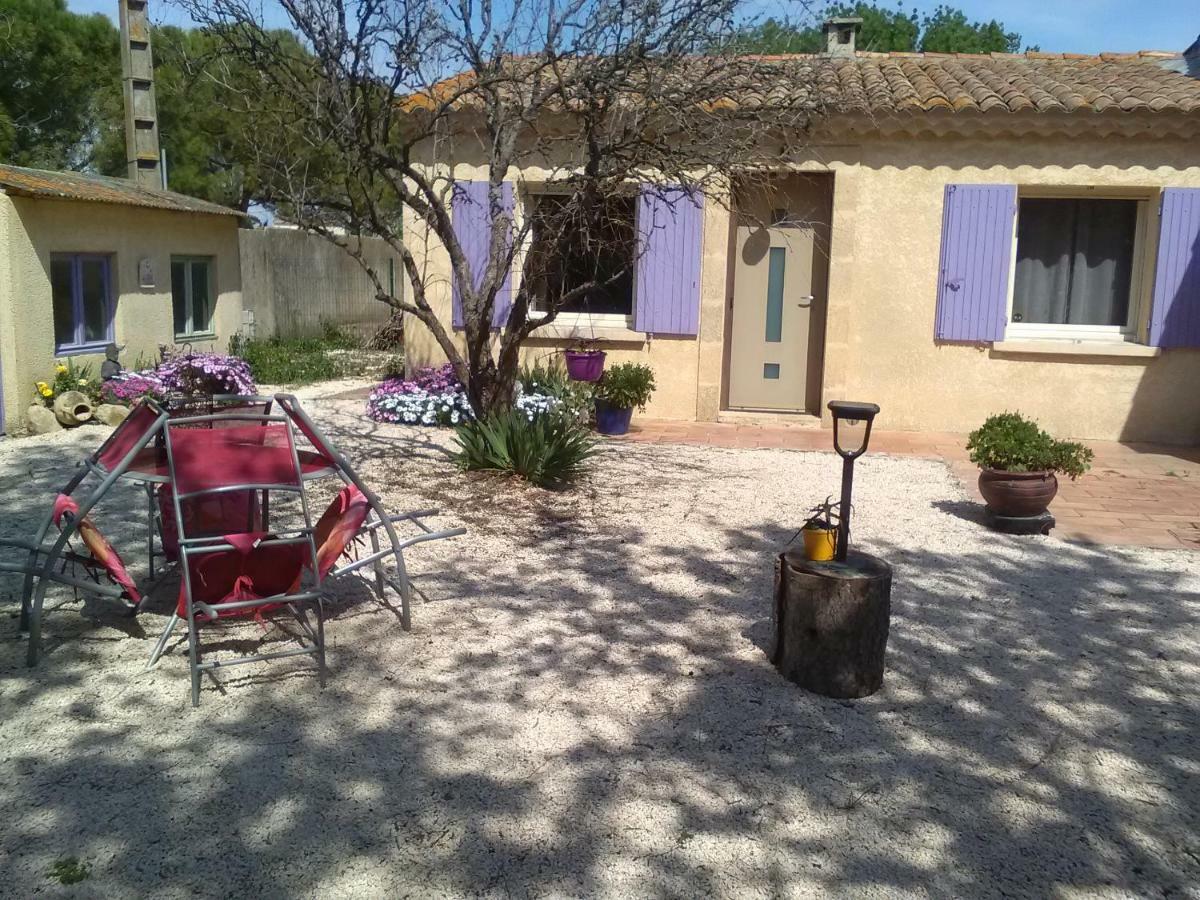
(1018, 462)
(585, 362)
(621, 389)
(820, 532)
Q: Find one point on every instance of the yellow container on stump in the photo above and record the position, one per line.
(819, 543)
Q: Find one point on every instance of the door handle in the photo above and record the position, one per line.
(806, 300)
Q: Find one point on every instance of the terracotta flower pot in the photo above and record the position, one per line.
(1015, 494)
(72, 408)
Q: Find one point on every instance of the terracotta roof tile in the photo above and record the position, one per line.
(24, 182)
(879, 83)
(1047, 82)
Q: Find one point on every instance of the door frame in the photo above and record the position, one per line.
(817, 350)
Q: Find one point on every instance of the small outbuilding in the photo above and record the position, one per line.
(90, 260)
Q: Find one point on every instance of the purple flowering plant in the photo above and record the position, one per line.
(129, 387)
(205, 373)
(182, 373)
(433, 396)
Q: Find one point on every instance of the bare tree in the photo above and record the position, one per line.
(595, 96)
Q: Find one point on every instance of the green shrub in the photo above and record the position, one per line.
(1012, 443)
(293, 360)
(393, 367)
(69, 870)
(626, 385)
(548, 451)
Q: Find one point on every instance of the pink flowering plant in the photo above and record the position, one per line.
(205, 374)
(190, 374)
(129, 387)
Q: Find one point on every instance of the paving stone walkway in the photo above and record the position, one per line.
(1143, 495)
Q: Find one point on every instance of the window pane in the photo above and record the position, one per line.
(61, 280)
(775, 265)
(571, 248)
(179, 295)
(201, 299)
(94, 279)
(1074, 261)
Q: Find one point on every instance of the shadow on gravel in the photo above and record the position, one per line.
(1009, 676)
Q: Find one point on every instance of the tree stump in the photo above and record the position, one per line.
(831, 623)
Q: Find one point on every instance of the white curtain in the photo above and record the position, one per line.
(1074, 261)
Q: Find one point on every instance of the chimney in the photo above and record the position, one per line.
(841, 33)
(141, 113)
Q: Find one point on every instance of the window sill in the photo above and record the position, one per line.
(603, 334)
(1064, 347)
(81, 349)
(199, 336)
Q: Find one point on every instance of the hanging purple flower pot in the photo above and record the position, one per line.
(612, 419)
(584, 365)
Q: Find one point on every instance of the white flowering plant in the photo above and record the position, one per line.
(417, 407)
(572, 399)
(433, 397)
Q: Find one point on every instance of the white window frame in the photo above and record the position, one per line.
(190, 260)
(575, 321)
(1131, 331)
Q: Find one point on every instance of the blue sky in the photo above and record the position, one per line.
(1077, 26)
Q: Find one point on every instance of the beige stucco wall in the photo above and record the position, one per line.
(886, 238)
(879, 344)
(33, 229)
(676, 361)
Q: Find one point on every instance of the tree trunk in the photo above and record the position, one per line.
(831, 623)
(492, 388)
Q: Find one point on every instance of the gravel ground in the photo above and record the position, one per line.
(584, 706)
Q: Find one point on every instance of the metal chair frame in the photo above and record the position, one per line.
(382, 521)
(190, 547)
(154, 526)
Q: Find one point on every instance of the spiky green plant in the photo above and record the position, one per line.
(549, 451)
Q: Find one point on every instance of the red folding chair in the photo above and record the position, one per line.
(358, 505)
(239, 570)
(47, 559)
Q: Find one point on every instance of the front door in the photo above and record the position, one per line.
(777, 319)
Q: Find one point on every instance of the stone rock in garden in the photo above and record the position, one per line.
(111, 414)
(41, 420)
(72, 408)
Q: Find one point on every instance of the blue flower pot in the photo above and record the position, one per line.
(612, 419)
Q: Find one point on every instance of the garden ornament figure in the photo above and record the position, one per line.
(851, 413)
(111, 367)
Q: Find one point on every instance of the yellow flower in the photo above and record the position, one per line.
(41, 385)
(60, 368)
(83, 381)
(46, 392)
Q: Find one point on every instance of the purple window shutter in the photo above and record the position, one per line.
(503, 302)
(1175, 315)
(472, 225)
(670, 224)
(977, 237)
